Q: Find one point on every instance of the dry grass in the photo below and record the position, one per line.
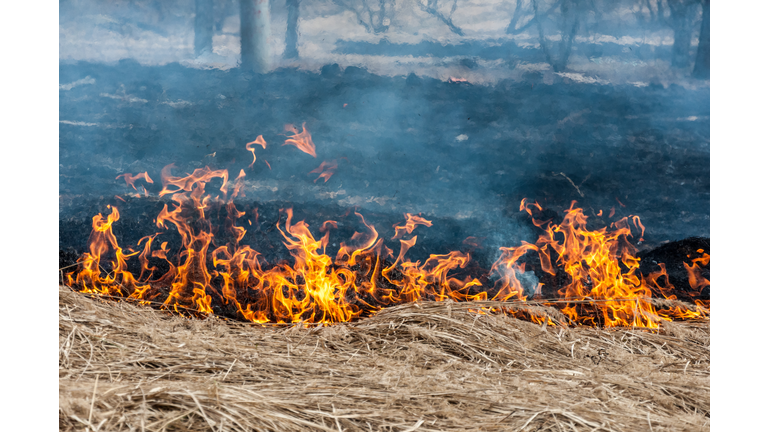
(425, 367)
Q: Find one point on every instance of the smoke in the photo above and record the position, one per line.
(418, 117)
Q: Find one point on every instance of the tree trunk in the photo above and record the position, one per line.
(682, 46)
(203, 26)
(701, 68)
(566, 43)
(292, 30)
(254, 35)
(681, 17)
(570, 26)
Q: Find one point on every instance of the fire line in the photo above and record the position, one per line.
(605, 288)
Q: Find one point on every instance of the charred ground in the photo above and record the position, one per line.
(411, 144)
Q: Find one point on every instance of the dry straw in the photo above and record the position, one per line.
(416, 367)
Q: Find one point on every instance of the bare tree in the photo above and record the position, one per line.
(254, 35)
(681, 20)
(523, 16)
(203, 26)
(292, 30)
(680, 15)
(565, 14)
(433, 8)
(375, 15)
(701, 66)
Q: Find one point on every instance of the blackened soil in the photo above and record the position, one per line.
(465, 152)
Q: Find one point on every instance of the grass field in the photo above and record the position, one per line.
(427, 367)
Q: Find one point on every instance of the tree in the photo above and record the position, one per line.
(292, 30)
(681, 20)
(701, 66)
(375, 15)
(565, 14)
(680, 15)
(254, 35)
(203, 26)
(523, 17)
(433, 8)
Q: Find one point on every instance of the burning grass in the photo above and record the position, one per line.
(211, 275)
(423, 366)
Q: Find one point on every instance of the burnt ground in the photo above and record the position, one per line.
(464, 155)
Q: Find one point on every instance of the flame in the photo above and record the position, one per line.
(197, 179)
(695, 278)
(410, 224)
(326, 170)
(239, 180)
(601, 266)
(302, 140)
(131, 179)
(207, 272)
(251, 147)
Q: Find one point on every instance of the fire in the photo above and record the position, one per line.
(601, 265)
(197, 179)
(695, 279)
(251, 147)
(302, 140)
(131, 179)
(211, 276)
(325, 170)
(410, 224)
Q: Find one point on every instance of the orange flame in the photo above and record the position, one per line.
(410, 224)
(302, 140)
(131, 179)
(695, 278)
(604, 288)
(601, 265)
(251, 147)
(326, 170)
(197, 179)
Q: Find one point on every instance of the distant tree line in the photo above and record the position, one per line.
(557, 23)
